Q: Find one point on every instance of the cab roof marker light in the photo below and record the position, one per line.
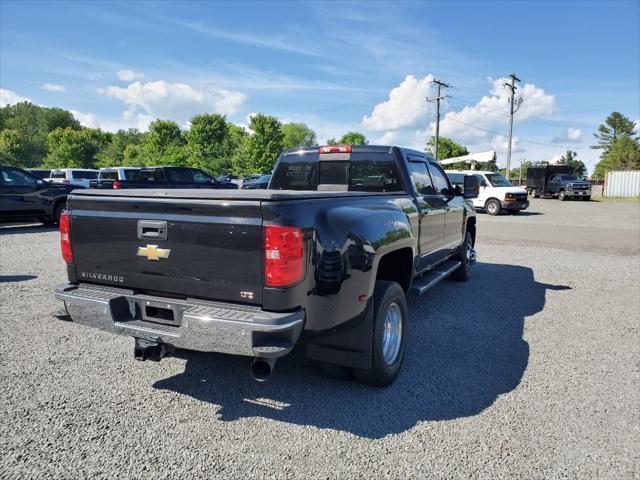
(335, 149)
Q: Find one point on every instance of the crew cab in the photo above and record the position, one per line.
(157, 177)
(323, 257)
(496, 192)
(25, 196)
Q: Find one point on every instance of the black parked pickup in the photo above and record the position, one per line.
(24, 196)
(156, 177)
(557, 181)
(324, 257)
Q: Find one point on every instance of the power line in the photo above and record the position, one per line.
(523, 140)
(437, 100)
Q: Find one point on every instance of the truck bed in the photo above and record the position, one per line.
(220, 194)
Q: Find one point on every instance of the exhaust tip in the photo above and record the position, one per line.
(262, 368)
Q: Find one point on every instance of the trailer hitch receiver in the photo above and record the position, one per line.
(148, 350)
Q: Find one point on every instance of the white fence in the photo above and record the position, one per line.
(622, 184)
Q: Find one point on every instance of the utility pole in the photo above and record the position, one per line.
(511, 86)
(437, 100)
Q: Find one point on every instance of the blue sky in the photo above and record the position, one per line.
(336, 66)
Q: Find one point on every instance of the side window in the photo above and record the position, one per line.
(420, 178)
(16, 178)
(440, 182)
(201, 177)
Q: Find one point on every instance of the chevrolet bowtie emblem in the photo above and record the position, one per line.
(152, 252)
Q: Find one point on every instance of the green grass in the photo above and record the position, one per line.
(616, 199)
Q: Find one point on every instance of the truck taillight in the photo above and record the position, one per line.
(283, 255)
(65, 237)
(117, 185)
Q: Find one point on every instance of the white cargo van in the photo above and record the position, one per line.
(496, 192)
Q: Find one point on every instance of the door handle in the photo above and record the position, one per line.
(152, 230)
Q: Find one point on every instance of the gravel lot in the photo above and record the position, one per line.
(529, 370)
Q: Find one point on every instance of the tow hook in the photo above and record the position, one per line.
(148, 350)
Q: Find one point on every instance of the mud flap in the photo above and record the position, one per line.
(348, 345)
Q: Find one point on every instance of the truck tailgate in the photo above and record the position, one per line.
(212, 249)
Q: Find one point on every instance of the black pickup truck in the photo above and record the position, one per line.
(323, 257)
(156, 177)
(24, 195)
(557, 181)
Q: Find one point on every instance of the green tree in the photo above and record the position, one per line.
(33, 123)
(11, 147)
(70, 148)
(133, 156)
(447, 148)
(53, 118)
(570, 158)
(332, 141)
(297, 135)
(624, 154)
(112, 154)
(207, 142)
(353, 138)
(261, 149)
(163, 135)
(614, 126)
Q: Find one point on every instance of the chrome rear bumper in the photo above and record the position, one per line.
(190, 324)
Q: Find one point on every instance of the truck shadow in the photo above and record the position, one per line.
(465, 348)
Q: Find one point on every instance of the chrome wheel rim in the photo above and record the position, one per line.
(492, 207)
(392, 336)
(469, 252)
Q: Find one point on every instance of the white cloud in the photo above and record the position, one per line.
(52, 87)
(86, 119)
(492, 111)
(406, 106)
(177, 101)
(388, 138)
(128, 75)
(569, 135)
(555, 159)
(501, 143)
(9, 97)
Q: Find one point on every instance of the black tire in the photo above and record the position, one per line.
(561, 196)
(57, 212)
(461, 274)
(46, 220)
(492, 206)
(337, 372)
(381, 374)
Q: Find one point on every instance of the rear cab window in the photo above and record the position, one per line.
(108, 175)
(58, 174)
(358, 171)
(187, 175)
(84, 174)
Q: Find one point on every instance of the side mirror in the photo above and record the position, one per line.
(471, 186)
(40, 182)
